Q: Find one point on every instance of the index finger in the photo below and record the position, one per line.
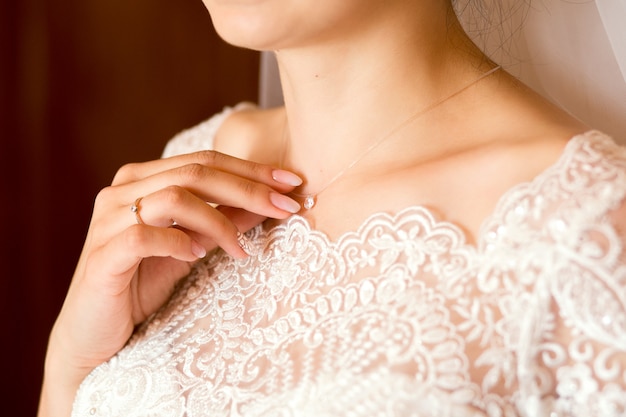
(278, 179)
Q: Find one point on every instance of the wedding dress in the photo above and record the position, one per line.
(402, 317)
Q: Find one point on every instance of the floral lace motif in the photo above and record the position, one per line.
(402, 317)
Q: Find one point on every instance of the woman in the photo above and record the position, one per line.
(424, 236)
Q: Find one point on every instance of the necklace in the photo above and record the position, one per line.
(311, 198)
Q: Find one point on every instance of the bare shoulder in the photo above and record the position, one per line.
(252, 133)
(528, 132)
(517, 135)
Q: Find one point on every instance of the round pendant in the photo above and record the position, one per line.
(309, 202)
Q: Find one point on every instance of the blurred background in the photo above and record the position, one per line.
(86, 86)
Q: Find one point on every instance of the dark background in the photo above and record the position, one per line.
(86, 86)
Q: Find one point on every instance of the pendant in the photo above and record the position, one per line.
(309, 202)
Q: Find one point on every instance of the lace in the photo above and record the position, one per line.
(402, 317)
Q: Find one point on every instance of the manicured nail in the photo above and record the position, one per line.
(284, 203)
(286, 177)
(245, 244)
(198, 250)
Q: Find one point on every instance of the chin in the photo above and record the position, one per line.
(251, 24)
(282, 24)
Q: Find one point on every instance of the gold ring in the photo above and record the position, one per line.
(135, 209)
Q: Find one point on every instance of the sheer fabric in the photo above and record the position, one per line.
(402, 317)
(571, 51)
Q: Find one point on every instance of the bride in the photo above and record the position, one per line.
(414, 233)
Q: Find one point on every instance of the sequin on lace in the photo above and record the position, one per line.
(401, 317)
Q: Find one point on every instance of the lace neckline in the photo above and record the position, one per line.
(311, 322)
(510, 198)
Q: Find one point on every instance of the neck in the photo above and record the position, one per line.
(342, 96)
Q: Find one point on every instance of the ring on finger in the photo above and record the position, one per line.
(135, 208)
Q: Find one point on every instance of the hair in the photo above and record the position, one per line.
(494, 26)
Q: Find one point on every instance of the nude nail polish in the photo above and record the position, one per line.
(198, 250)
(286, 177)
(284, 203)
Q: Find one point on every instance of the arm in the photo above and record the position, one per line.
(127, 270)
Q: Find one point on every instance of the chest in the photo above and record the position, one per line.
(401, 302)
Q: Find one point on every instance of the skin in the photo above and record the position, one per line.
(351, 73)
(127, 270)
(350, 70)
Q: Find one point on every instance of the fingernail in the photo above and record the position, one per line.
(284, 203)
(286, 177)
(245, 244)
(198, 250)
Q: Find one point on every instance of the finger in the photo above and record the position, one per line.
(121, 256)
(242, 219)
(209, 185)
(175, 205)
(278, 179)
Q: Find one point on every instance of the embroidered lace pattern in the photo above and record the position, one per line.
(402, 317)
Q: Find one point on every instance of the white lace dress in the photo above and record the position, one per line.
(401, 317)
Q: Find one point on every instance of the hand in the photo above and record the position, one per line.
(130, 265)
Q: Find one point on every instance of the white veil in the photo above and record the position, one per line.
(571, 51)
